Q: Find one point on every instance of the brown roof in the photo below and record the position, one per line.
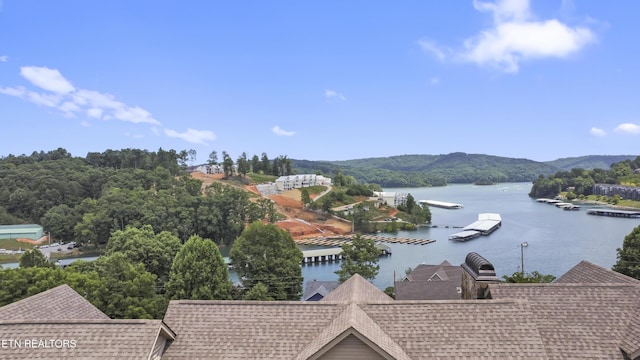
(357, 290)
(398, 329)
(586, 272)
(444, 271)
(80, 339)
(580, 320)
(431, 282)
(61, 302)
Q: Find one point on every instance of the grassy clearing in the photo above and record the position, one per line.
(314, 190)
(12, 244)
(260, 178)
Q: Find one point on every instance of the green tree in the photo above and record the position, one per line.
(259, 292)
(267, 254)
(304, 197)
(142, 245)
(199, 272)
(213, 158)
(359, 257)
(34, 258)
(629, 255)
(533, 277)
(125, 291)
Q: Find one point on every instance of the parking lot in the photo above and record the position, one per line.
(56, 248)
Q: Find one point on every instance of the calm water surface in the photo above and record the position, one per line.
(557, 239)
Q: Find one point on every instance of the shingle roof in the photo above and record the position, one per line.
(428, 290)
(318, 287)
(586, 272)
(580, 320)
(357, 290)
(61, 302)
(431, 282)
(78, 339)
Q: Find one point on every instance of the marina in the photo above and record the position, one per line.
(485, 225)
(333, 254)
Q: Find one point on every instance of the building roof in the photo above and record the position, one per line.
(316, 287)
(394, 329)
(59, 303)
(586, 272)
(357, 290)
(80, 339)
(581, 320)
(431, 282)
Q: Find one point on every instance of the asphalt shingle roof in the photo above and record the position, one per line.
(586, 272)
(61, 302)
(78, 339)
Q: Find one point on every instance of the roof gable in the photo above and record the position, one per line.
(61, 302)
(322, 288)
(353, 321)
(357, 290)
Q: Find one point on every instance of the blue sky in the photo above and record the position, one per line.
(321, 80)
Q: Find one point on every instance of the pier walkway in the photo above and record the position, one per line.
(339, 240)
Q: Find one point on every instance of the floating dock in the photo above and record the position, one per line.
(614, 213)
(441, 204)
(485, 225)
(339, 240)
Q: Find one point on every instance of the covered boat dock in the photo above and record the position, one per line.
(614, 213)
(441, 204)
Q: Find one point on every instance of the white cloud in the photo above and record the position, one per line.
(432, 48)
(281, 132)
(191, 135)
(4, 58)
(85, 123)
(13, 91)
(155, 130)
(47, 79)
(330, 94)
(597, 132)
(628, 128)
(48, 100)
(435, 81)
(135, 115)
(516, 37)
(95, 113)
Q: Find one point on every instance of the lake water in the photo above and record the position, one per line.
(557, 239)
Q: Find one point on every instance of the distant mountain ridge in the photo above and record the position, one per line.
(458, 167)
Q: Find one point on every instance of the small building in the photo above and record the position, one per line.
(390, 198)
(290, 182)
(29, 231)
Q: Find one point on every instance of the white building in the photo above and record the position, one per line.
(284, 183)
(391, 198)
(215, 169)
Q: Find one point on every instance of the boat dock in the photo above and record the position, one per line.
(441, 204)
(333, 254)
(485, 225)
(339, 240)
(614, 213)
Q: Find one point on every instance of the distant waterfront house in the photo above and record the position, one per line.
(284, 183)
(316, 290)
(431, 282)
(390, 198)
(29, 231)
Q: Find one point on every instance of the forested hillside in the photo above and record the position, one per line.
(578, 183)
(436, 170)
(86, 199)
